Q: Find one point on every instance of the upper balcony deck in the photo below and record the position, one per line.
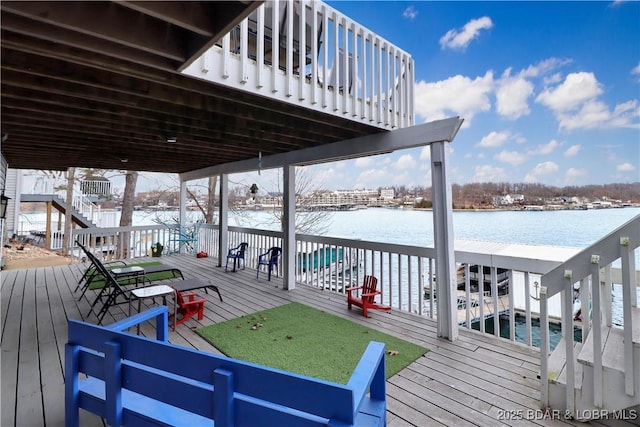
(344, 69)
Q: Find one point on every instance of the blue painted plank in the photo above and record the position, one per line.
(162, 380)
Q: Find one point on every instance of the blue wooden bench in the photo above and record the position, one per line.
(132, 380)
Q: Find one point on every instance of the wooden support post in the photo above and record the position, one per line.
(47, 242)
(223, 220)
(443, 240)
(289, 228)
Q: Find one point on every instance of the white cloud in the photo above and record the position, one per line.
(635, 72)
(576, 105)
(543, 149)
(541, 169)
(363, 162)
(324, 178)
(460, 38)
(573, 175)
(425, 153)
(406, 161)
(457, 95)
(576, 89)
(410, 13)
(625, 167)
(596, 115)
(512, 157)
(374, 178)
(552, 79)
(512, 95)
(573, 150)
(494, 139)
(545, 67)
(488, 173)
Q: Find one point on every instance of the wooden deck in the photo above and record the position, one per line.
(475, 381)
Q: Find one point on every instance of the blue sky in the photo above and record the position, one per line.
(550, 93)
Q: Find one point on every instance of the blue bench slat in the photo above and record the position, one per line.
(160, 383)
(248, 410)
(92, 391)
(294, 390)
(196, 396)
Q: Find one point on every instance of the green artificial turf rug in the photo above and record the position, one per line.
(301, 339)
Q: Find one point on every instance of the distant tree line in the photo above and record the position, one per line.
(481, 194)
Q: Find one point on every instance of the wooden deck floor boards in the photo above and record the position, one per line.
(471, 382)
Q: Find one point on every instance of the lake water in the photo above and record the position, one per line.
(575, 228)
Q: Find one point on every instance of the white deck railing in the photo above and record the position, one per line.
(344, 69)
(406, 273)
(592, 272)
(508, 297)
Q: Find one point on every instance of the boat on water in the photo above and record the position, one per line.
(475, 278)
(333, 266)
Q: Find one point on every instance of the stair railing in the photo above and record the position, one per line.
(81, 203)
(592, 270)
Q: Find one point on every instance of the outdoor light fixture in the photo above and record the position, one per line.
(172, 139)
(3, 205)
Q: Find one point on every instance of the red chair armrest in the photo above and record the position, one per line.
(194, 302)
(371, 294)
(353, 288)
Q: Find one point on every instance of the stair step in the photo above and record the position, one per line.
(557, 366)
(613, 344)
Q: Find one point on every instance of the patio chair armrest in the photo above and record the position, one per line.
(353, 288)
(190, 295)
(371, 294)
(195, 302)
(119, 262)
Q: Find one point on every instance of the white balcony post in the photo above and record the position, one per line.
(289, 227)
(223, 221)
(182, 211)
(443, 241)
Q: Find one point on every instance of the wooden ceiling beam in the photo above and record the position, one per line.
(197, 17)
(157, 99)
(44, 39)
(109, 21)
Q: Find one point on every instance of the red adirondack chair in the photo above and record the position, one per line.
(368, 293)
(189, 307)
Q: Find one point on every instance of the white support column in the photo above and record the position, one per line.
(223, 220)
(443, 241)
(182, 211)
(289, 228)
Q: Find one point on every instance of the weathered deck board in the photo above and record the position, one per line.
(473, 381)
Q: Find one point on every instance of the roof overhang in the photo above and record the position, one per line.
(380, 143)
(98, 84)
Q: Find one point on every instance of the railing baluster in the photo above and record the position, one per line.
(480, 279)
(512, 311)
(629, 301)
(494, 297)
(596, 330)
(544, 348)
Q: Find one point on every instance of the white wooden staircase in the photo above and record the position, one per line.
(601, 375)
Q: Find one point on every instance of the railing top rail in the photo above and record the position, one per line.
(340, 17)
(114, 230)
(580, 264)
